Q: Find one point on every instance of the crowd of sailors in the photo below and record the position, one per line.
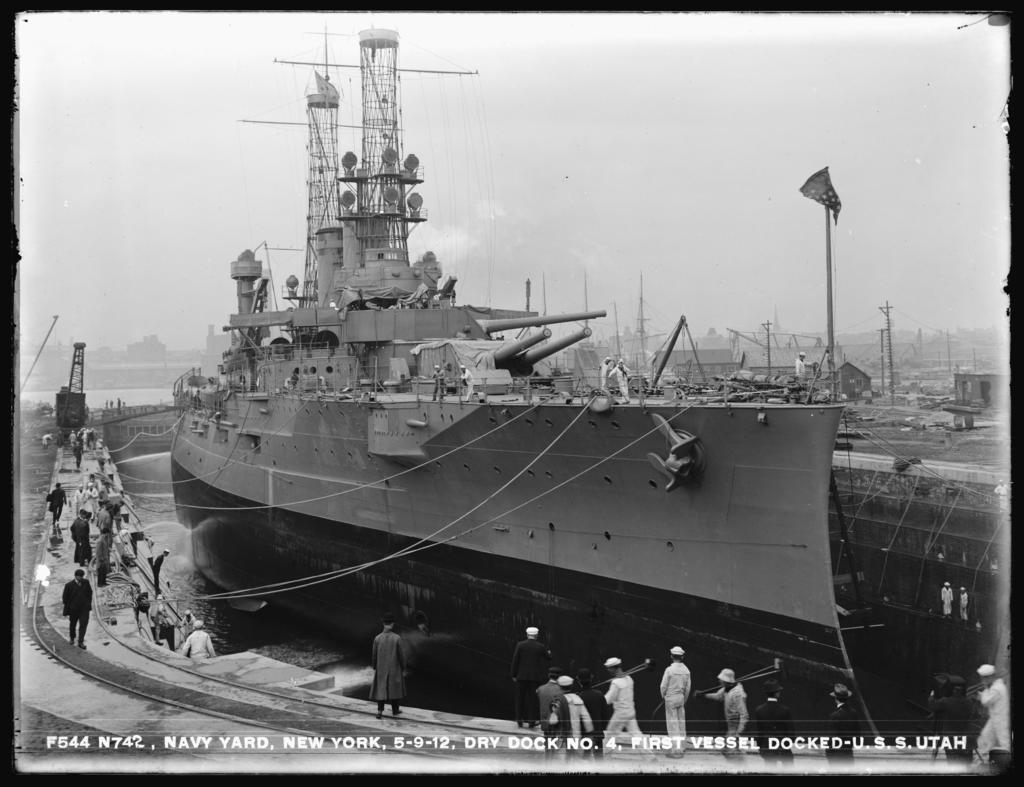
(574, 708)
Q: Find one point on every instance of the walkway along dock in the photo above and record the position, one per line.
(128, 704)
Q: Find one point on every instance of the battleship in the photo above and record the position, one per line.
(341, 470)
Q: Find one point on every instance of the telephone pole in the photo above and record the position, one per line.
(881, 350)
(888, 334)
(768, 342)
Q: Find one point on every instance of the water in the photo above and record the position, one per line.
(269, 632)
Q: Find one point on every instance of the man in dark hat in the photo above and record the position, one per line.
(598, 710)
(529, 670)
(773, 721)
(388, 663)
(157, 565)
(56, 500)
(553, 707)
(80, 535)
(77, 600)
(953, 712)
(844, 724)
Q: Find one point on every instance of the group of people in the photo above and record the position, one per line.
(466, 383)
(964, 600)
(564, 707)
(615, 373)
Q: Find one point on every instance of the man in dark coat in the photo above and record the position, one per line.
(388, 668)
(529, 670)
(953, 716)
(773, 720)
(56, 500)
(157, 565)
(598, 709)
(553, 705)
(843, 723)
(77, 600)
(80, 535)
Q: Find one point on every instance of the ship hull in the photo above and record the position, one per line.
(464, 603)
(462, 613)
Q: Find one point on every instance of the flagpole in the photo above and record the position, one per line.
(828, 279)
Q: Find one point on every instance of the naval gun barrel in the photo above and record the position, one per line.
(539, 353)
(510, 349)
(512, 323)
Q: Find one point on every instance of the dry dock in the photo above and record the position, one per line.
(127, 704)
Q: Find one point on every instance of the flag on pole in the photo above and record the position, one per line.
(819, 188)
(324, 86)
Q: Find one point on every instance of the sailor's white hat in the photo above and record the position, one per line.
(986, 670)
(613, 662)
(565, 680)
(677, 651)
(727, 675)
(532, 631)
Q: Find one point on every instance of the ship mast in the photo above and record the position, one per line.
(321, 178)
(640, 328)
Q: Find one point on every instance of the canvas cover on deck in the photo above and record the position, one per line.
(476, 355)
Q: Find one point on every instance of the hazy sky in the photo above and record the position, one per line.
(668, 144)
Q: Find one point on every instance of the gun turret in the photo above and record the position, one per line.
(540, 353)
(509, 350)
(522, 364)
(513, 323)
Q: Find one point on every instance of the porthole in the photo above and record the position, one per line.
(466, 466)
(671, 546)
(548, 474)
(530, 473)
(497, 470)
(549, 422)
(528, 421)
(615, 425)
(607, 536)
(312, 370)
(330, 369)
(607, 480)
(652, 483)
(551, 526)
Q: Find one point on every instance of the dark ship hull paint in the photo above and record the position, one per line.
(609, 564)
(463, 612)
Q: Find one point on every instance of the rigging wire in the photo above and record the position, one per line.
(426, 539)
(339, 573)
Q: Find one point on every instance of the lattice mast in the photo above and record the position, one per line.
(322, 171)
(382, 192)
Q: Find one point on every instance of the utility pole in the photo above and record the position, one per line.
(892, 369)
(949, 357)
(768, 342)
(527, 295)
(881, 350)
(618, 341)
